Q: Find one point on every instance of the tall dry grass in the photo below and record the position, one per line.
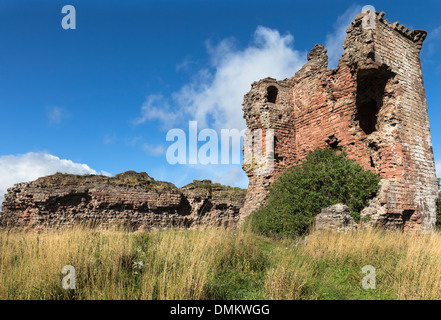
(31, 263)
(213, 264)
(407, 265)
(287, 278)
(171, 264)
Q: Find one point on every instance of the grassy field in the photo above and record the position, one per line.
(218, 264)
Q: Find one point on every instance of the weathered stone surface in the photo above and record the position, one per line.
(131, 199)
(373, 106)
(336, 218)
(134, 175)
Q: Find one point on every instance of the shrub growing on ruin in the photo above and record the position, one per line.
(324, 178)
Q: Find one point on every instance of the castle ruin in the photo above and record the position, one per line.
(373, 106)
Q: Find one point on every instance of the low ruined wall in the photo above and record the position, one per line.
(133, 200)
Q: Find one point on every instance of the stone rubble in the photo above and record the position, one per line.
(336, 218)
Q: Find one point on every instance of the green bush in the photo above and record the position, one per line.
(324, 178)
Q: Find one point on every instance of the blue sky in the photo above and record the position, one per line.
(101, 98)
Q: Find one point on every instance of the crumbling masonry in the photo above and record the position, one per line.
(130, 199)
(373, 106)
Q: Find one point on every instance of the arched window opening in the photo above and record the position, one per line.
(272, 92)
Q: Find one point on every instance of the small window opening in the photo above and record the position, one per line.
(272, 92)
(333, 142)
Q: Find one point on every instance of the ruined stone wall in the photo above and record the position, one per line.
(131, 199)
(372, 106)
(415, 184)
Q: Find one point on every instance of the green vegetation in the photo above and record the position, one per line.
(134, 181)
(226, 191)
(218, 264)
(223, 264)
(323, 179)
(64, 179)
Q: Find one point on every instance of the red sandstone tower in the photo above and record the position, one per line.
(373, 105)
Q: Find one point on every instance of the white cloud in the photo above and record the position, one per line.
(215, 95)
(432, 42)
(133, 141)
(30, 166)
(137, 141)
(184, 65)
(109, 138)
(153, 150)
(56, 114)
(214, 98)
(335, 40)
(157, 107)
